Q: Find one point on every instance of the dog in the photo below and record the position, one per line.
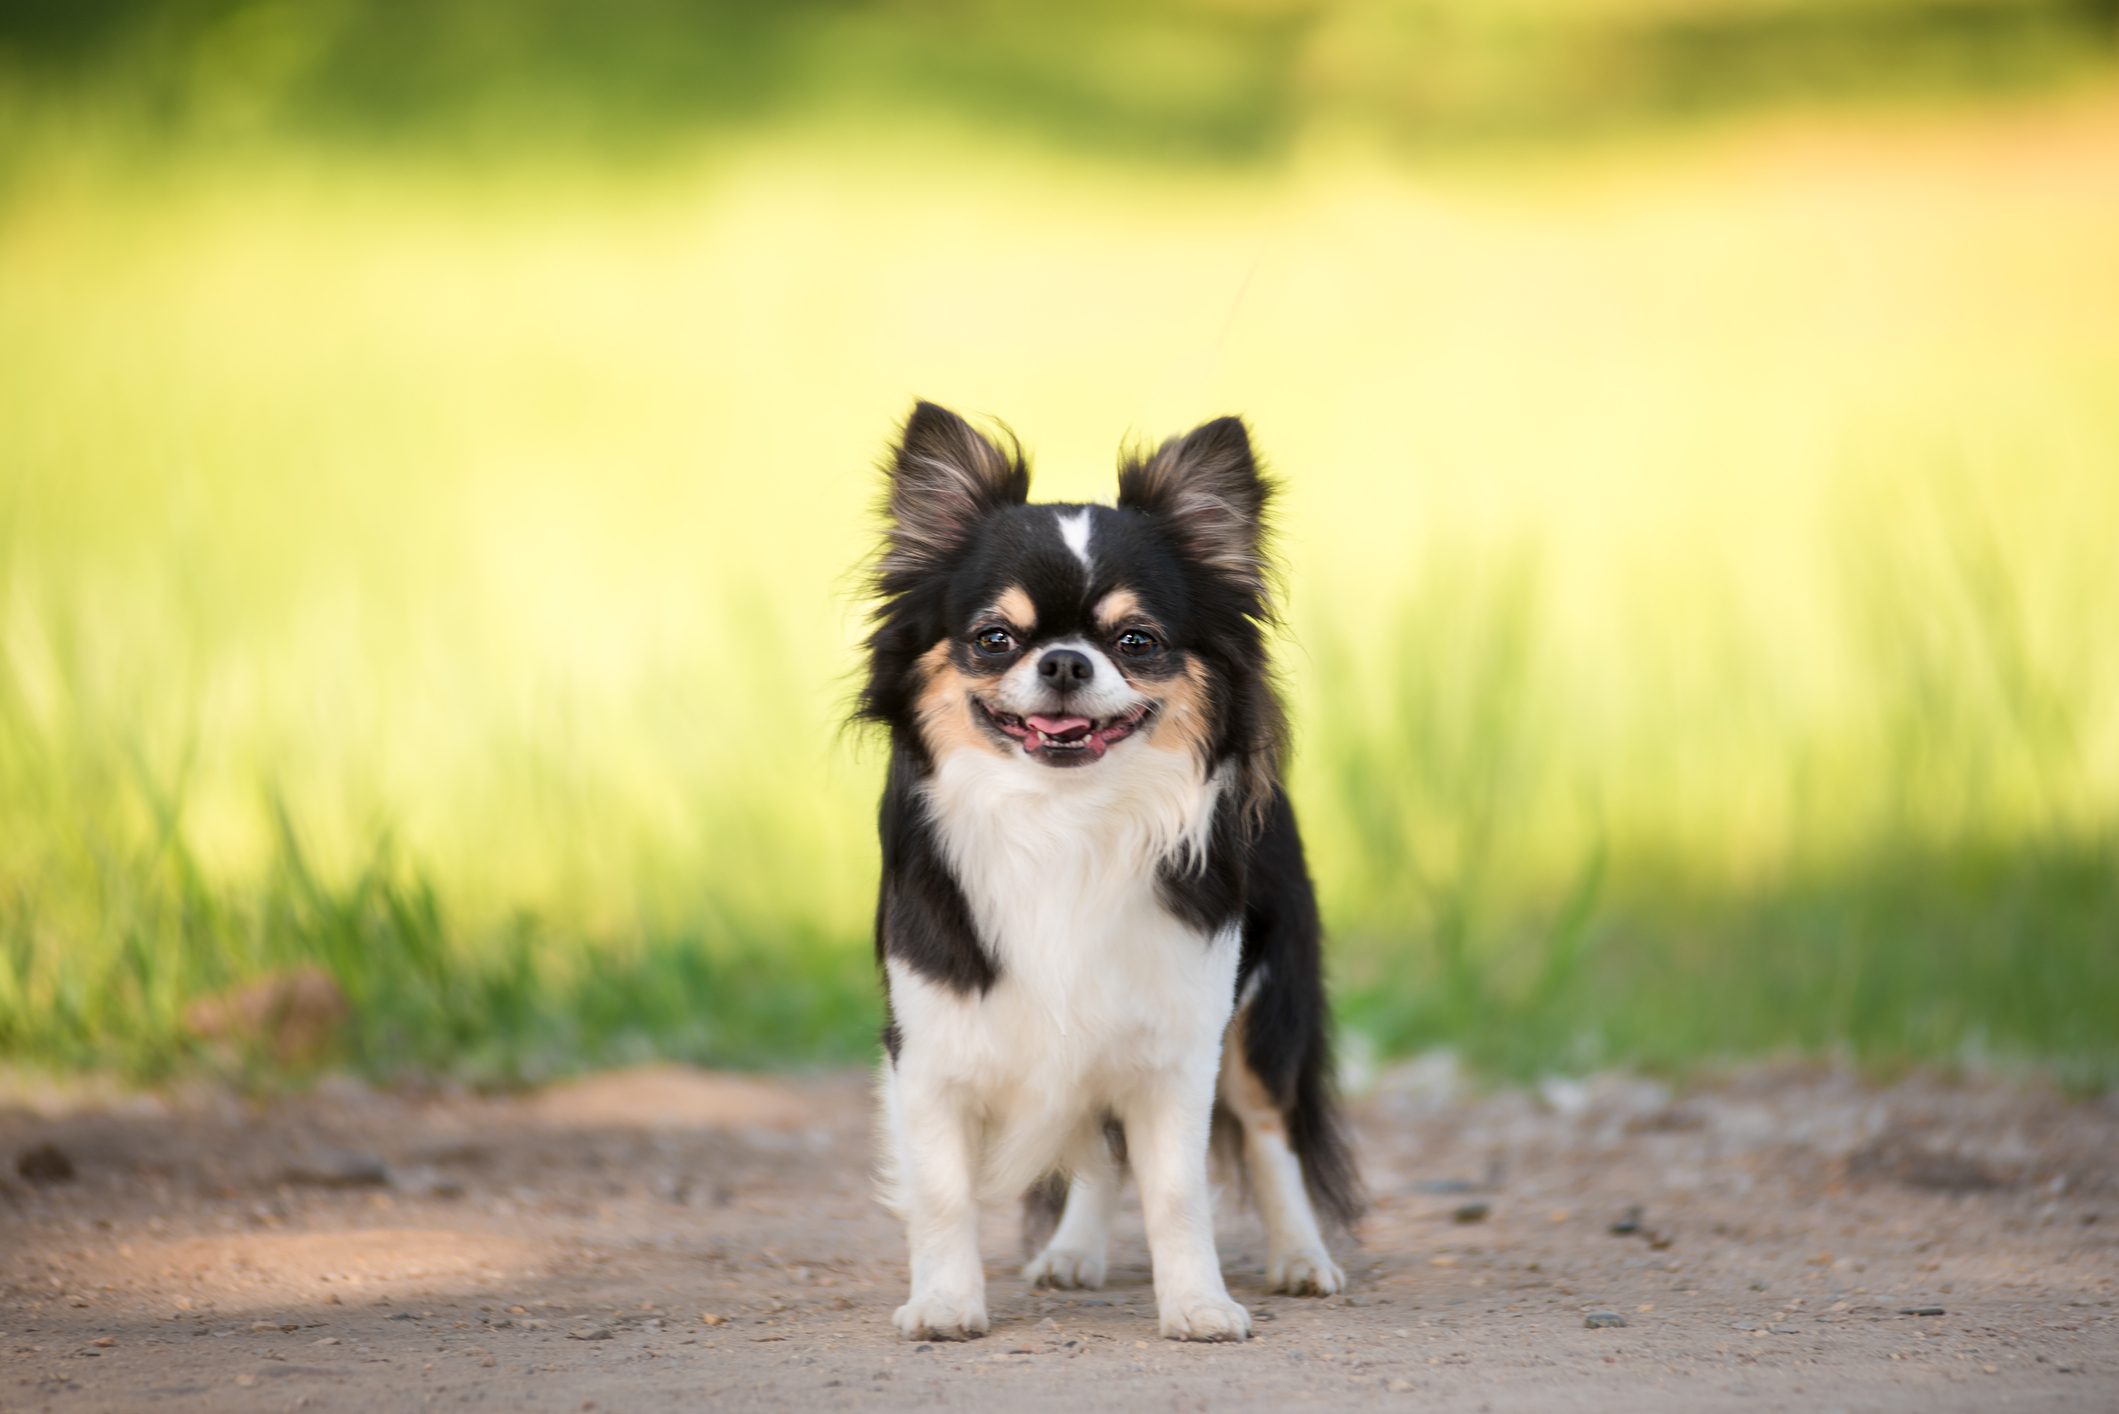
(1099, 942)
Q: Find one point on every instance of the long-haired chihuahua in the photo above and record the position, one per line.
(1098, 938)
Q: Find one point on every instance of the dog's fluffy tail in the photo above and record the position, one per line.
(1317, 1133)
(1283, 1030)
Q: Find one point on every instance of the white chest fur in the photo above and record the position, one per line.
(1101, 988)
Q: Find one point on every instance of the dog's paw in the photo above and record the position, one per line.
(1206, 1318)
(1308, 1273)
(1066, 1268)
(935, 1316)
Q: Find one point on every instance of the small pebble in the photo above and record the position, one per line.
(1603, 1320)
(1629, 1222)
(45, 1163)
(337, 1168)
(1445, 1187)
(1922, 1311)
(424, 1183)
(1471, 1212)
(590, 1333)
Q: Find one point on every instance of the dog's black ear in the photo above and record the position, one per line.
(1205, 487)
(944, 476)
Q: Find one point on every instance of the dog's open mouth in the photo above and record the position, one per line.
(1067, 741)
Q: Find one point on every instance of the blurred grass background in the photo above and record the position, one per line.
(435, 438)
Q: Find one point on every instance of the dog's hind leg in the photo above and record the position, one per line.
(1296, 1259)
(1077, 1254)
(1043, 1201)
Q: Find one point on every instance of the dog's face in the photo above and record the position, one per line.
(1068, 636)
(1065, 632)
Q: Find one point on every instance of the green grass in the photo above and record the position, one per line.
(1698, 555)
(1229, 82)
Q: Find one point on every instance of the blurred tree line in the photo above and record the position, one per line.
(1188, 79)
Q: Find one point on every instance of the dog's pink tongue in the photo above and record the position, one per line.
(1064, 728)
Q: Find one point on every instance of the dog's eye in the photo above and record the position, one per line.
(1134, 644)
(994, 641)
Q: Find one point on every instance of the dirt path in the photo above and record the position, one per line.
(665, 1238)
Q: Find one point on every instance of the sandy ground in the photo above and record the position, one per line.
(664, 1237)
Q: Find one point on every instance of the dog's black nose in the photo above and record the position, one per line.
(1065, 669)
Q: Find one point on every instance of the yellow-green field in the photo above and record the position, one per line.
(1700, 572)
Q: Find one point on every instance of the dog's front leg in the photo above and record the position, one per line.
(937, 1144)
(1166, 1139)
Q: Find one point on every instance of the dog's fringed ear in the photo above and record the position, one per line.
(944, 476)
(1205, 487)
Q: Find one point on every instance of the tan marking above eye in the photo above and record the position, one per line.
(1014, 605)
(1115, 608)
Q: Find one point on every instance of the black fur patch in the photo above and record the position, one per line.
(1210, 894)
(921, 916)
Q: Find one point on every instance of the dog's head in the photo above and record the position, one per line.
(1068, 637)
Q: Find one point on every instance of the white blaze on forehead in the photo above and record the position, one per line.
(1074, 529)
